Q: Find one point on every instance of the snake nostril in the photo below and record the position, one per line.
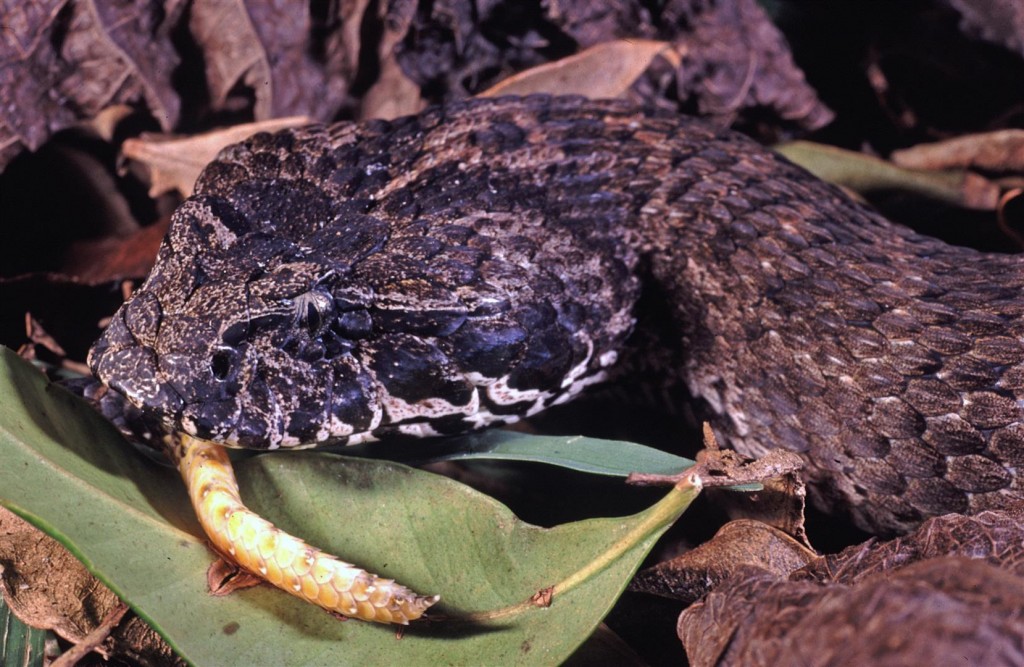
(220, 364)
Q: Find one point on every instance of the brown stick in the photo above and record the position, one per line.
(92, 640)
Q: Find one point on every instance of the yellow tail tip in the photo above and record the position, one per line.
(264, 550)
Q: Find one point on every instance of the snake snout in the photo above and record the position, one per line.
(133, 373)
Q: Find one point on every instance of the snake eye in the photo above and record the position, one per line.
(313, 311)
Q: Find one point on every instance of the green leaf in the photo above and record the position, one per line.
(20, 645)
(865, 173)
(69, 473)
(616, 458)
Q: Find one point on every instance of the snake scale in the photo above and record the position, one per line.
(476, 263)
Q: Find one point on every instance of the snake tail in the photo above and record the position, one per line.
(260, 547)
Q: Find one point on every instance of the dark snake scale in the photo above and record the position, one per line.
(478, 262)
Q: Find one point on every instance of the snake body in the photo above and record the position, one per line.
(479, 262)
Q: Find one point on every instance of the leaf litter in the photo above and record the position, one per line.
(725, 85)
(49, 588)
(960, 578)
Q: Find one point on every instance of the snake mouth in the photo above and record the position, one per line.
(135, 373)
(232, 395)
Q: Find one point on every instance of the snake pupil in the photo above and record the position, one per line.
(314, 323)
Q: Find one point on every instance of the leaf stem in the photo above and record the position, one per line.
(658, 517)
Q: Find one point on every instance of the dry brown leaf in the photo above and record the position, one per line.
(954, 587)
(267, 46)
(68, 309)
(48, 588)
(728, 468)
(94, 640)
(739, 545)
(998, 21)
(604, 70)
(110, 258)
(394, 94)
(62, 61)
(104, 124)
(1010, 214)
(175, 163)
(781, 503)
(733, 59)
(36, 333)
(348, 36)
(224, 578)
(1001, 151)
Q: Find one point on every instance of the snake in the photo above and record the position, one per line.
(478, 262)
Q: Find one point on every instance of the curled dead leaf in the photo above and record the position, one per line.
(268, 48)
(224, 578)
(543, 597)
(998, 21)
(954, 587)
(105, 123)
(738, 546)
(94, 640)
(727, 56)
(780, 502)
(47, 587)
(727, 468)
(394, 94)
(175, 163)
(1001, 151)
(1010, 215)
(65, 61)
(604, 70)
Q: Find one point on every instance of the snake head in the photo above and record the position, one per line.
(332, 326)
(236, 337)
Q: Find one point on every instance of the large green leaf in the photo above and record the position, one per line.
(614, 458)
(68, 472)
(20, 644)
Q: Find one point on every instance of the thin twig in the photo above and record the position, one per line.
(92, 640)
